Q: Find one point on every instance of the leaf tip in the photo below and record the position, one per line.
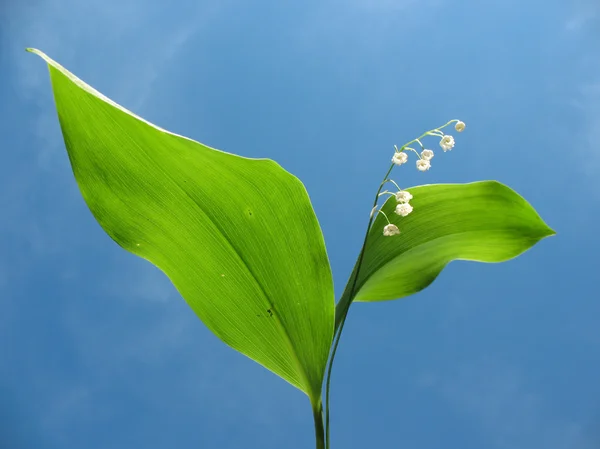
(40, 53)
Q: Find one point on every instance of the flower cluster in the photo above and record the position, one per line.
(400, 157)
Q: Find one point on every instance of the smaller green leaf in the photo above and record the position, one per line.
(483, 221)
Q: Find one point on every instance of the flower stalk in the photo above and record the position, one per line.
(404, 208)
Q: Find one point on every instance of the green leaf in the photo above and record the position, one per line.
(481, 221)
(238, 237)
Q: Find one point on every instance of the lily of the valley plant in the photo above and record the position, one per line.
(240, 241)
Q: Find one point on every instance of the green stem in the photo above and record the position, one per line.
(341, 327)
(338, 331)
(319, 430)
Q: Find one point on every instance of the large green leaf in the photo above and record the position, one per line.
(237, 237)
(482, 221)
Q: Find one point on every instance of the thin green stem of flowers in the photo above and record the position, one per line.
(415, 151)
(429, 133)
(393, 182)
(385, 215)
(338, 334)
(341, 328)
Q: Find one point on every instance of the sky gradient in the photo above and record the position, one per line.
(97, 349)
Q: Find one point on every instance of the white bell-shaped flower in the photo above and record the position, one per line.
(390, 230)
(423, 165)
(404, 209)
(460, 126)
(447, 143)
(403, 196)
(400, 158)
(427, 155)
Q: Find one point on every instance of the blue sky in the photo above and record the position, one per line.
(98, 350)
